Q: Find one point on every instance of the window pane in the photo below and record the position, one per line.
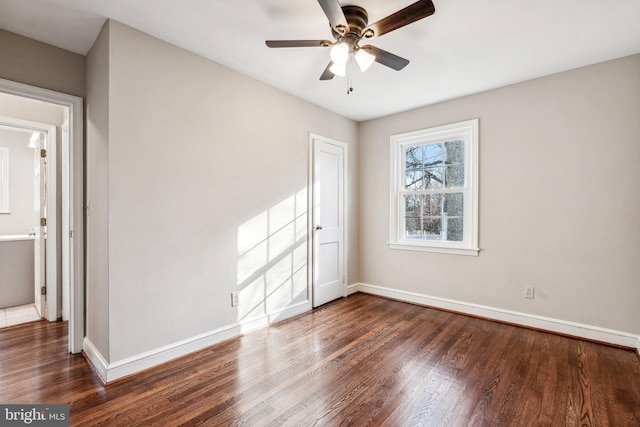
(413, 180)
(413, 157)
(433, 178)
(433, 205)
(432, 228)
(433, 154)
(455, 176)
(412, 228)
(454, 152)
(412, 206)
(454, 229)
(453, 204)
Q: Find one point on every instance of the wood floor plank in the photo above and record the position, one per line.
(362, 360)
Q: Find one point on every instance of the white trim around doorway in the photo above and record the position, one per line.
(73, 199)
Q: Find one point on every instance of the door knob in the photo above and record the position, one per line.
(318, 227)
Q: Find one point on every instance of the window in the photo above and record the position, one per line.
(4, 180)
(434, 195)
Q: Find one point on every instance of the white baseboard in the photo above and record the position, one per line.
(352, 289)
(95, 357)
(132, 365)
(524, 319)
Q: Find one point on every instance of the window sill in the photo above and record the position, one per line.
(434, 249)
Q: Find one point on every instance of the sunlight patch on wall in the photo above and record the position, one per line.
(272, 259)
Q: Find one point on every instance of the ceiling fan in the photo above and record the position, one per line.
(349, 25)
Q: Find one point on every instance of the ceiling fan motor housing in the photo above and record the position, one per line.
(357, 19)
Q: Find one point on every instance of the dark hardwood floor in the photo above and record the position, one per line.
(362, 360)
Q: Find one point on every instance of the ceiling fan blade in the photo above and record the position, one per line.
(334, 12)
(386, 58)
(327, 74)
(412, 13)
(298, 43)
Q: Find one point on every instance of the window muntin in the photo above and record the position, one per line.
(434, 196)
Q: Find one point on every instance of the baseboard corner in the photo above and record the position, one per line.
(95, 359)
(353, 288)
(135, 364)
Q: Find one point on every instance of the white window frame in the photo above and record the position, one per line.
(466, 131)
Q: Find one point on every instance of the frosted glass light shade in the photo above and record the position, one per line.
(339, 69)
(339, 53)
(364, 59)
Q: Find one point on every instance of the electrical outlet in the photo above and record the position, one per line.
(235, 298)
(529, 292)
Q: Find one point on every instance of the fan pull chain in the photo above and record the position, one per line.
(349, 82)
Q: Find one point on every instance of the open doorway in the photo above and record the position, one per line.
(29, 206)
(65, 301)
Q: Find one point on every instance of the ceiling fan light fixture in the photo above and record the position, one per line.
(364, 59)
(349, 26)
(340, 53)
(339, 69)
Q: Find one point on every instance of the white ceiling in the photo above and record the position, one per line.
(466, 47)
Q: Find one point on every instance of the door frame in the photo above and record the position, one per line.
(345, 196)
(72, 150)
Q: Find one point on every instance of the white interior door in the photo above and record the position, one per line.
(39, 208)
(328, 220)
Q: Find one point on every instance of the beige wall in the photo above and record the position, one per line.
(16, 273)
(21, 217)
(97, 193)
(38, 64)
(559, 199)
(195, 152)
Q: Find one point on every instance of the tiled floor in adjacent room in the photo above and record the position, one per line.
(15, 315)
